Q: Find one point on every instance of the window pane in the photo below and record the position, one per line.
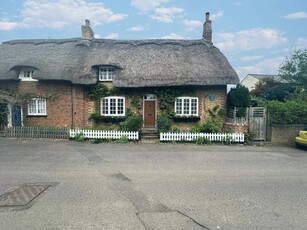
(110, 74)
(194, 106)
(120, 106)
(41, 109)
(178, 106)
(27, 74)
(186, 106)
(112, 106)
(32, 107)
(105, 110)
(105, 74)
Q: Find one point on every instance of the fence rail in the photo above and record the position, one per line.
(218, 137)
(232, 116)
(104, 134)
(36, 132)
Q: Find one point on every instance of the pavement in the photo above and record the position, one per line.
(150, 186)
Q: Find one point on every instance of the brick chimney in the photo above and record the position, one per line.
(207, 28)
(87, 32)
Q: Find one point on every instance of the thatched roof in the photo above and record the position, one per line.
(140, 63)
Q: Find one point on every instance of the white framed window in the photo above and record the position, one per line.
(37, 107)
(26, 74)
(106, 73)
(112, 106)
(186, 106)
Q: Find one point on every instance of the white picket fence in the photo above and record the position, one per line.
(104, 134)
(217, 137)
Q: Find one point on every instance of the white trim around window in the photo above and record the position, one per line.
(106, 73)
(186, 106)
(37, 107)
(26, 74)
(112, 106)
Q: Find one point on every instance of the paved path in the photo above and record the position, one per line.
(154, 186)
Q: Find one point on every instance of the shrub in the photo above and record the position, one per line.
(239, 97)
(123, 139)
(202, 141)
(289, 112)
(97, 118)
(227, 140)
(164, 124)
(132, 123)
(79, 137)
(249, 137)
(211, 126)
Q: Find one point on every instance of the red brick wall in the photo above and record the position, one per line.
(65, 103)
(236, 128)
(203, 93)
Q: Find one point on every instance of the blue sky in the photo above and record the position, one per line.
(255, 36)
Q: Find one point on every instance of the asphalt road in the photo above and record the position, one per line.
(154, 186)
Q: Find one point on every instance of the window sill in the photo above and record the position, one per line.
(37, 115)
(25, 79)
(105, 80)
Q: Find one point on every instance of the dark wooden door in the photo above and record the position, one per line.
(150, 114)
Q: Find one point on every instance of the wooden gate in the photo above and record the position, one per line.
(258, 122)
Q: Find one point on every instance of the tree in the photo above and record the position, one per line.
(294, 69)
(270, 89)
(238, 97)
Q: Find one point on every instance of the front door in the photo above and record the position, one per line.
(16, 115)
(149, 113)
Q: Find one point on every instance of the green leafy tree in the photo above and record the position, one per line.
(270, 89)
(294, 69)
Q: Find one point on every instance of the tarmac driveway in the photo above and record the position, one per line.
(68, 185)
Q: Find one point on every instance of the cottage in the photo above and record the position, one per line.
(54, 82)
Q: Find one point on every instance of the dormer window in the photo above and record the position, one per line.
(106, 73)
(26, 74)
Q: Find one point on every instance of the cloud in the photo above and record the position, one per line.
(256, 38)
(297, 15)
(136, 28)
(192, 24)
(5, 25)
(166, 15)
(172, 36)
(62, 13)
(217, 15)
(268, 66)
(147, 5)
(112, 36)
(251, 58)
